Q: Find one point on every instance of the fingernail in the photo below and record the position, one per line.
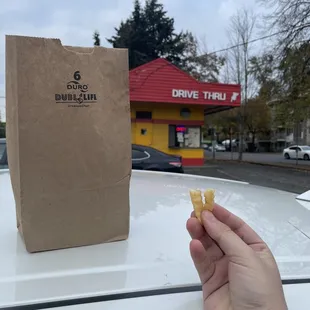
(208, 216)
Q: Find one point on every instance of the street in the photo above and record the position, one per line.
(279, 178)
(257, 157)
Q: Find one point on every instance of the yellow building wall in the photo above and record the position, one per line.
(159, 138)
(168, 111)
(172, 112)
(133, 132)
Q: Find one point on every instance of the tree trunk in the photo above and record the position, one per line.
(241, 131)
(253, 137)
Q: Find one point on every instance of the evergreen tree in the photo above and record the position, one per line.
(149, 33)
(96, 38)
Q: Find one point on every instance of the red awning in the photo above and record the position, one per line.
(159, 81)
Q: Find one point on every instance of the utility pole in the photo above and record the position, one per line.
(243, 103)
(297, 143)
(213, 142)
(230, 144)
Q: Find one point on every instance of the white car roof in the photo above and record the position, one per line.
(298, 146)
(156, 255)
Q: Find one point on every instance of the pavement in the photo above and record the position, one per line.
(269, 158)
(282, 178)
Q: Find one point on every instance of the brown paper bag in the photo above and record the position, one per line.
(69, 143)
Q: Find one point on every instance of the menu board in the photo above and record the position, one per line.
(180, 137)
(193, 137)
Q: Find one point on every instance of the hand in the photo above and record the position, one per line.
(236, 268)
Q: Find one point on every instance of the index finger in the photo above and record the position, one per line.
(236, 224)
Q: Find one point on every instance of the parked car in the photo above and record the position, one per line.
(143, 158)
(300, 151)
(148, 158)
(218, 148)
(205, 144)
(227, 143)
(153, 268)
(235, 145)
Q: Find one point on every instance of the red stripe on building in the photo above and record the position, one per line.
(192, 162)
(168, 121)
(178, 122)
(135, 120)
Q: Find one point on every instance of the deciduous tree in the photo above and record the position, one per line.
(290, 20)
(294, 93)
(198, 62)
(257, 118)
(225, 123)
(240, 31)
(264, 71)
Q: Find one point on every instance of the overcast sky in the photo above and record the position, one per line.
(74, 21)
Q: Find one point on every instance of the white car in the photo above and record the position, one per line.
(300, 151)
(153, 268)
(218, 148)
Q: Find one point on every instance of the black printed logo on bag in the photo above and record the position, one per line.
(77, 95)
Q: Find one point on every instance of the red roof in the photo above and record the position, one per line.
(161, 81)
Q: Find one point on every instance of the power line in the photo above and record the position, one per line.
(225, 49)
(233, 46)
(244, 43)
(215, 52)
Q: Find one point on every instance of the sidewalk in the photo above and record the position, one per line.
(301, 166)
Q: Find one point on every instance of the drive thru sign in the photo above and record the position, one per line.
(206, 95)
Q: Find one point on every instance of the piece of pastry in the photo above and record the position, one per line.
(199, 205)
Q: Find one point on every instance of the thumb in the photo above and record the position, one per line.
(229, 242)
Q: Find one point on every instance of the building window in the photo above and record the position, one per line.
(143, 115)
(184, 136)
(185, 113)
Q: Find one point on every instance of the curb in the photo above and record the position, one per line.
(294, 167)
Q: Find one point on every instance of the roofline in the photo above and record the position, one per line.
(168, 63)
(146, 64)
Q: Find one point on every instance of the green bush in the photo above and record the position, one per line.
(2, 130)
